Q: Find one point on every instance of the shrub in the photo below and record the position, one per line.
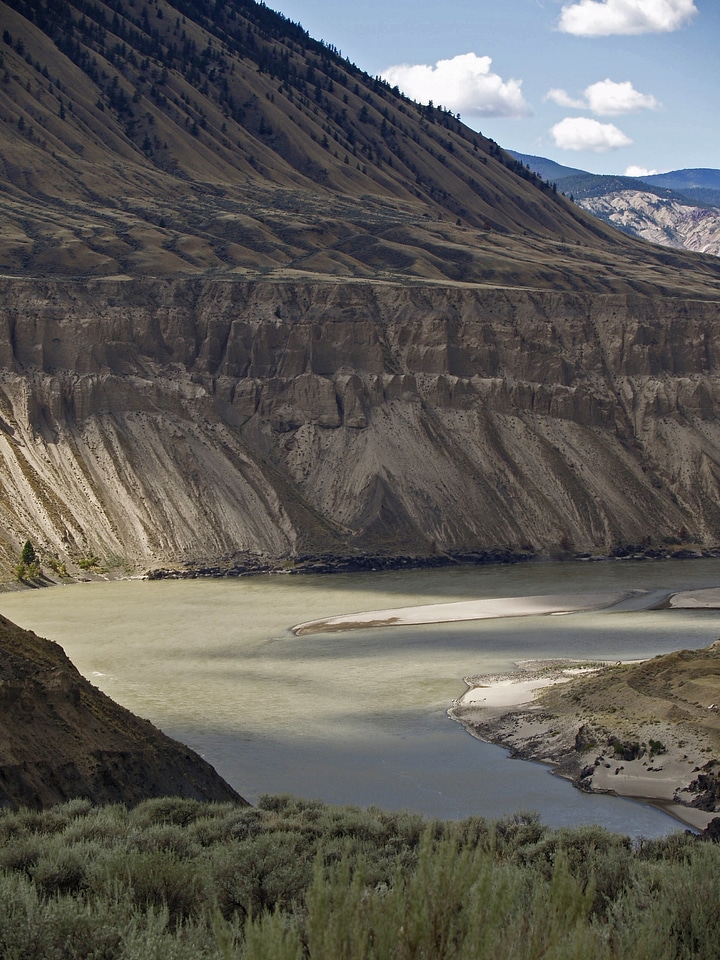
(181, 880)
(60, 870)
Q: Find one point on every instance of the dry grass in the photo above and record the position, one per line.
(676, 688)
(343, 179)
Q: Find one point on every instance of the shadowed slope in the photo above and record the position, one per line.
(61, 738)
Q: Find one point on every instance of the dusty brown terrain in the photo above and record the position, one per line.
(153, 422)
(649, 730)
(138, 140)
(62, 738)
(257, 304)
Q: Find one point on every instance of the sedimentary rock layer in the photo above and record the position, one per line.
(150, 421)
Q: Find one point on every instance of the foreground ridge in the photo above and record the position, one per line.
(61, 738)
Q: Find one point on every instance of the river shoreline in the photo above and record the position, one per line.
(250, 565)
(511, 711)
(357, 717)
(328, 563)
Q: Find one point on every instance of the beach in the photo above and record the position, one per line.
(592, 749)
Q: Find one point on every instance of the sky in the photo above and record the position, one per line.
(626, 87)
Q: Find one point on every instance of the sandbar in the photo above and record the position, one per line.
(461, 610)
(499, 607)
(707, 598)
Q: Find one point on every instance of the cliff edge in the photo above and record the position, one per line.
(149, 422)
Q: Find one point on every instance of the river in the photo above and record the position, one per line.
(359, 716)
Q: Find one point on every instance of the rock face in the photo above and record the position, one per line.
(157, 422)
(62, 738)
(660, 220)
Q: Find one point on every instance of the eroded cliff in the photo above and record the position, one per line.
(160, 422)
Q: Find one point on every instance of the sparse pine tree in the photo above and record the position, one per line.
(28, 554)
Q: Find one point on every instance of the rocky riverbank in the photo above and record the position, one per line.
(249, 564)
(647, 730)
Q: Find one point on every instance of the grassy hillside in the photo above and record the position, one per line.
(170, 138)
(675, 688)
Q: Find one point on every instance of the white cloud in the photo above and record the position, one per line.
(582, 133)
(563, 99)
(464, 84)
(605, 18)
(607, 98)
(635, 171)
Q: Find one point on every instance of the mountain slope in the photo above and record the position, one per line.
(62, 738)
(670, 222)
(162, 139)
(259, 306)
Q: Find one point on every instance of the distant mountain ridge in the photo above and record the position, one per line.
(680, 209)
(701, 185)
(688, 183)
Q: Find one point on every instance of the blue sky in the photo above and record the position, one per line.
(610, 86)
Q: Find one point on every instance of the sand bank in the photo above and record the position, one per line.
(509, 711)
(545, 605)
(467, 610)
(706, 599)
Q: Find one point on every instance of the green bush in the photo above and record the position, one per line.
(28, 555)
(181, 880)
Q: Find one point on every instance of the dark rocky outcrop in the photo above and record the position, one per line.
(61, 738)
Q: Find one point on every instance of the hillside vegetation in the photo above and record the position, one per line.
(169, 138)
(292, 879)
(677, 688)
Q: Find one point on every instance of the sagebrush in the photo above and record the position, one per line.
(295, 880)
